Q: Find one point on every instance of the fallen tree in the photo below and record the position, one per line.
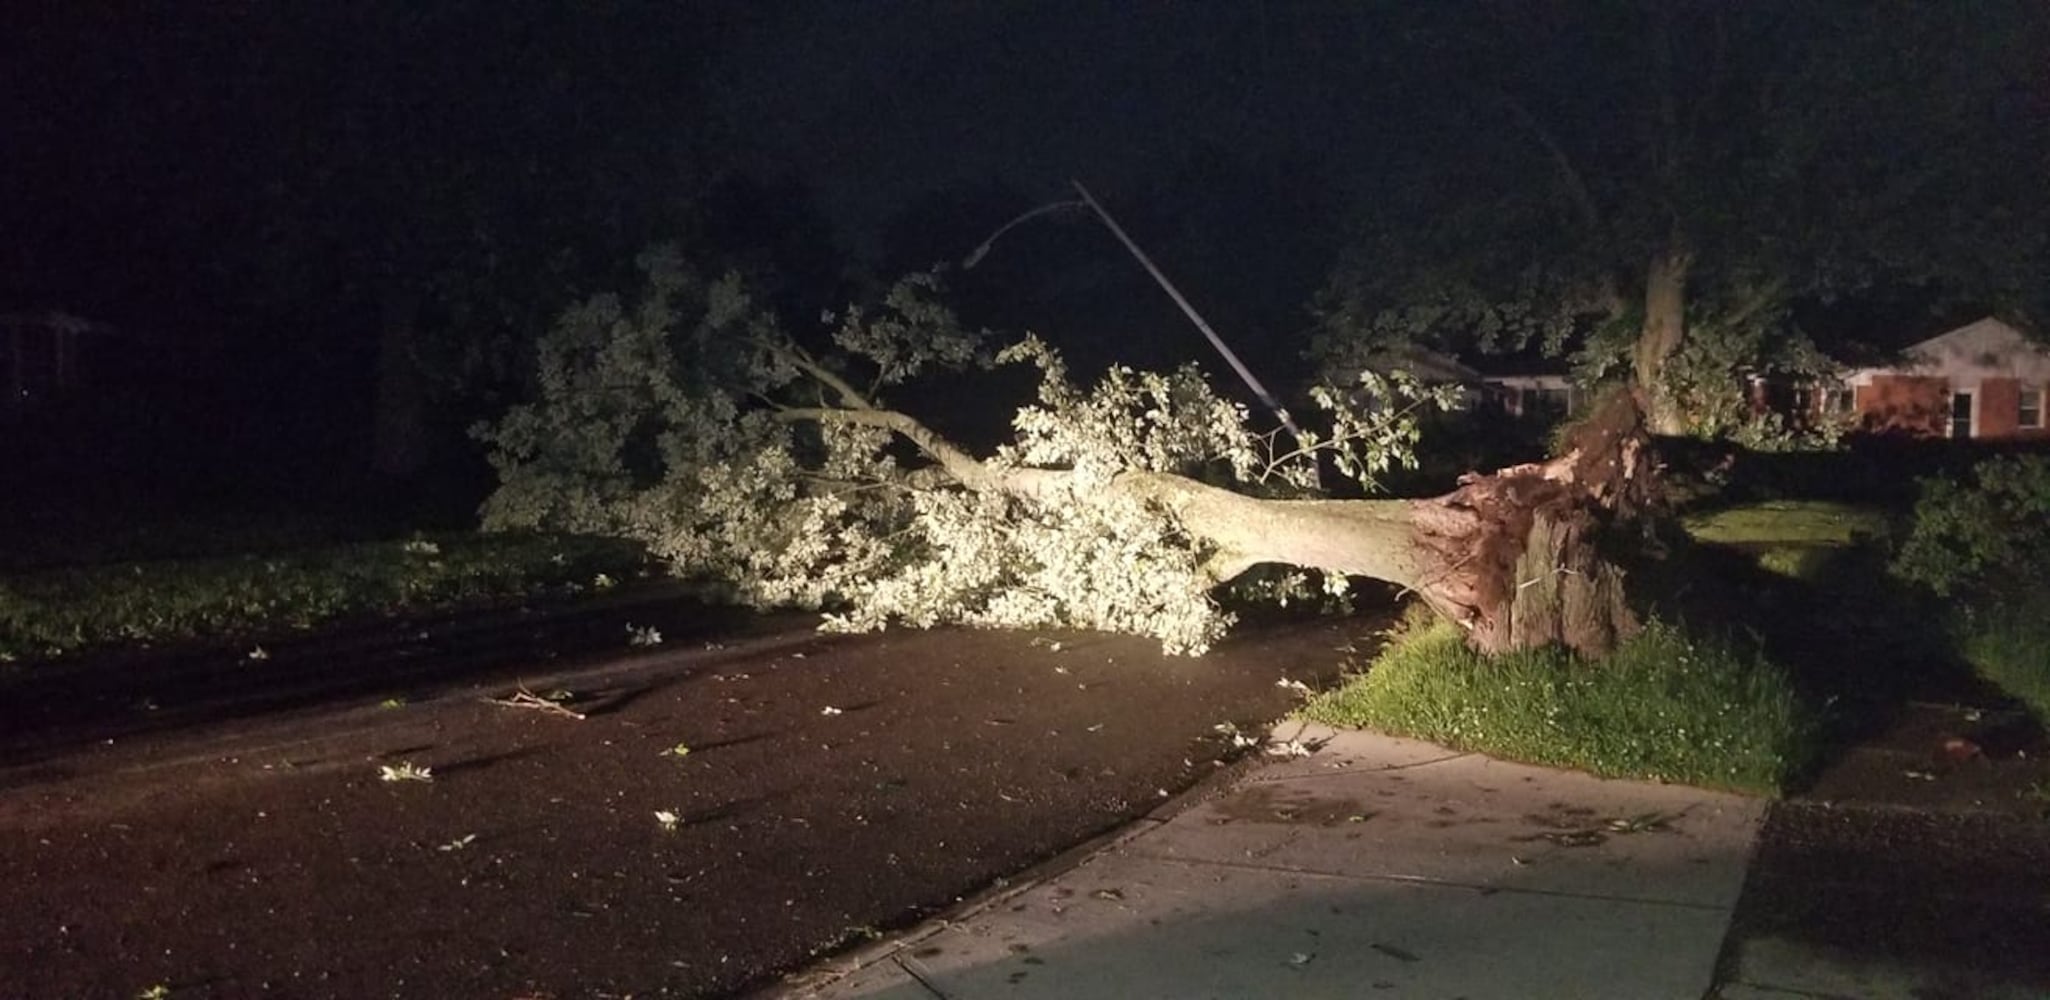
(695, 425)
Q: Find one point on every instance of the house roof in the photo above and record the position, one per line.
(1422, 362)
(1987, 348)
(55, 320)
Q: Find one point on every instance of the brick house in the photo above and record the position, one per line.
(1984, 380)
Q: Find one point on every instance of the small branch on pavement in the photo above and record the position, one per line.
(524, 698)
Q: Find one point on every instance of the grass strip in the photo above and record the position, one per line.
(56, 612)
(1664, 706)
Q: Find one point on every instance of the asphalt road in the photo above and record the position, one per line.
(732, 803)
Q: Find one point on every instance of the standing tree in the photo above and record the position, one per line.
(688, 420)
(1662, 181)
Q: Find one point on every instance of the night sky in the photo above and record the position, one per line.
(251, 192)
(182, 121)
(878, 103)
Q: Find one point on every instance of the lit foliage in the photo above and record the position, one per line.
(690, 422)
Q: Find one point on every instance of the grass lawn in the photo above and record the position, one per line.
(2007, 642)
(1664, 707)
(1800, 539)
(52, 612)
(1788, 522)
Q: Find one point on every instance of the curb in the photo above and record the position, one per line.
(834, 967)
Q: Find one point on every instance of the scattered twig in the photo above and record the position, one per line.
(524, 698)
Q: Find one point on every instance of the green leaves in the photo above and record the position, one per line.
(911, 333)
(1991, 535)
(1377, 424)
(1156, 421)
(780, 473)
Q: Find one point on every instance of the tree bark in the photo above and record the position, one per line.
(1512, 557)
(1665, 328)
(1515, 557)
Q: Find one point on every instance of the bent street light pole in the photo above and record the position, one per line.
(982, 250)
(1188, 310)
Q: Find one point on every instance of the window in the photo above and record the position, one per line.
(1839, 401)
(1547, 403)
(2029, 414)
(1960, 414)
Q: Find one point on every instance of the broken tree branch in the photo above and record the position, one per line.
(524, 698)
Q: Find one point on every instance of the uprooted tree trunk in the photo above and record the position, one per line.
(1514, 556)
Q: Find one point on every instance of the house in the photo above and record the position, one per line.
(40, 358)
(1538, 396)
(1984, 380)
(1430, 366)
(1546, 396)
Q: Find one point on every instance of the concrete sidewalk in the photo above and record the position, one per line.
(1372, 867)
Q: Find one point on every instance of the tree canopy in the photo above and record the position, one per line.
(1653, 187)
(688, 418)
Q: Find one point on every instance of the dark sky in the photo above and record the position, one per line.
(145, 132)
(876, 102)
